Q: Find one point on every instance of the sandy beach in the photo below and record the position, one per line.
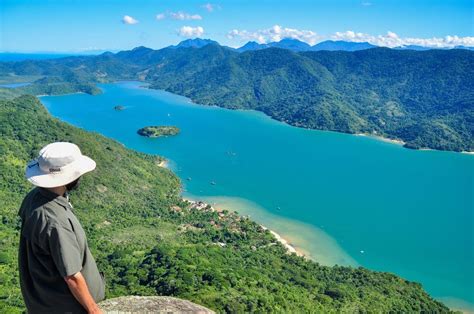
(289, 247)
(381, 138)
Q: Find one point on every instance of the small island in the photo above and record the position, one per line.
(157, 131)
(119, 108)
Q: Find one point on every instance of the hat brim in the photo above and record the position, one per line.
(36, 176)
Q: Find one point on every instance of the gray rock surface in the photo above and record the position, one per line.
(152, 304)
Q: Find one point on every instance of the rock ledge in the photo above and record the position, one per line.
(152, 304)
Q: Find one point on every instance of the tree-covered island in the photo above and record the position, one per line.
(157, 131)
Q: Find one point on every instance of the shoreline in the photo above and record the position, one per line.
(290, 248)
(374, 136)
(385, 139)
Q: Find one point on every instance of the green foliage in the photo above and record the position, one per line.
(149, 241)
(50, 86)
(157, 131)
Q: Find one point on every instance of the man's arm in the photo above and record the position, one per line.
(78, 286)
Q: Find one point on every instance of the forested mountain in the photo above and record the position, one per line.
(149, 241)
(425, 98)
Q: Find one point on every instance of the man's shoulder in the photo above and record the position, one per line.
(41, 212)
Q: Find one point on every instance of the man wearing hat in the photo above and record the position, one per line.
(58, 273)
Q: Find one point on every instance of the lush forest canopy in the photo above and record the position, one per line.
(157, 131)
(425, 98)
(149, 241)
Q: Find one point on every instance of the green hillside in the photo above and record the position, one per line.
(424, 98)
(148, 241)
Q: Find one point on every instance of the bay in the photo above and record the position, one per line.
(341, 199)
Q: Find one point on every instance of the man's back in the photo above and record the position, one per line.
(53, 245)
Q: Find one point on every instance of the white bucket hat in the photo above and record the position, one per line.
(58, 164)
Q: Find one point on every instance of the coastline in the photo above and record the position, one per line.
(374, 136)
(304, 240)
(384, 139)
(290, 248)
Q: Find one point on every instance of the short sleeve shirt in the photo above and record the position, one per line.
(53, 245)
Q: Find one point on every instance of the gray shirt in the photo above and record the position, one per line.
(53, 245)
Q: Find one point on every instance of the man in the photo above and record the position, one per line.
(58, 273)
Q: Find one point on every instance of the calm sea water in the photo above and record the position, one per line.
(343, 199)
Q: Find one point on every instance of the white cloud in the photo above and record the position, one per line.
(275, 33)
(189, 31)
(129, 20)
(209, 7)
(182, 16)
(160, 16)
(366, 3)
(390, 39)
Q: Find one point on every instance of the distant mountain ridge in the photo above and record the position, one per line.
(330, 45)
(297, 45)
(194, 43)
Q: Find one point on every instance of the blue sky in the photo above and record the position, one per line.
(73, 25)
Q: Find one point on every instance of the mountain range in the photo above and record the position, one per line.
(297, 45)
(424, 98)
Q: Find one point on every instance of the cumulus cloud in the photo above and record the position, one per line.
(275, 33)
(189, 31)
(182, 16)
(209, 7)
(391, 39)
(129, 20)
(366, 3)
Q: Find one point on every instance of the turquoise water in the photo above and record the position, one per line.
(342, 199)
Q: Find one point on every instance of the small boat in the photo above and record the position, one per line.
(188, 178)
(213, 183)
(278, 208)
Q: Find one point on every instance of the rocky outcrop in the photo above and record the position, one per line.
(152, 304)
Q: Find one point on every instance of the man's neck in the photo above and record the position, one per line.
(59, 190)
